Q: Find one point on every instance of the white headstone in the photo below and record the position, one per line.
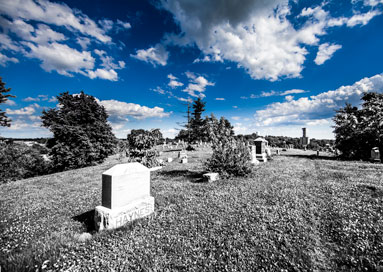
(125, 196)
(210, 177)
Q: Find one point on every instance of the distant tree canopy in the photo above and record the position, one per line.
(4, 120)
(359, 130)
(81, 133)
(140, 146)
(142, 139)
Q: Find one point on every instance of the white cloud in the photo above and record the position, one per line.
(197, 85)
(235, 107)
(62, 58)
(103, 74)
(53, 13)
(289, 97)
(5, 59)
(29, 110)
(325, 52)
(117, 108)
(236, 118)
(173, 83)
(322, 106)
(155, 55)
(255, 34)
(108, 62)
(220, 99)
(356, 19)
(293, 91)
(125, 25)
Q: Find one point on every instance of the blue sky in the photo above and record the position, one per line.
(270, 67)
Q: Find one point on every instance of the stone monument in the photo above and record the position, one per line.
(304, 140)
(125, 196)
(253, 154)
(375, 154)
(261, 144)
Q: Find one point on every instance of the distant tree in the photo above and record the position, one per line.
(4, 120)
(198, 133)
(141, 143)
(81, 133)
(216, 129)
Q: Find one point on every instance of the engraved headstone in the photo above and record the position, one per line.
(125, 196)
(253, 155)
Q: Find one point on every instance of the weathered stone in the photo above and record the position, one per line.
(184, 160)
(106, 218)
(210, 177)
(253, 154)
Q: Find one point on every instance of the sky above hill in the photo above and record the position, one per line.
(270, 67)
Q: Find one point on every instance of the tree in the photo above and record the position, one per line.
(359, 130)
(141, 143)
(372, 118)
(198, 133)
(81, 133)
(4, 120)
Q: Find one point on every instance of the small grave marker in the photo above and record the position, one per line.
(210, 177)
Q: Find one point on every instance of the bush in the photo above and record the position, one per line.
(18, 161)
(141, 143)
(230, 157)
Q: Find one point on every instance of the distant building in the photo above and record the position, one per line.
(304, 140)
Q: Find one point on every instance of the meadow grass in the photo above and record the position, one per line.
(295, 213)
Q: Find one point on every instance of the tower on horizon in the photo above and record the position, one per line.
(304, 140)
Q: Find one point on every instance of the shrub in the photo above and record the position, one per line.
(141, 143)
(18, 161)
(230, 157)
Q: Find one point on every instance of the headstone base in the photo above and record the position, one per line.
(262, 157)
(106, 218)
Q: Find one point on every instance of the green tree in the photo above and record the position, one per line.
(4, 120)
(81, 133)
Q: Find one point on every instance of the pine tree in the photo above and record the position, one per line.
(198, 132)
(4, 120)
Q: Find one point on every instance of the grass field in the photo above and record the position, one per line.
(296, 213)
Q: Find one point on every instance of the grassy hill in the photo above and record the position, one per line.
(296, 213)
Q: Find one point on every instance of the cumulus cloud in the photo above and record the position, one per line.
(104, 74)
(62, 58)
(356, 19)
(173, 83)
(220, 99)
(156, 55)
(5, 59)
(197, 85)
(29, 110)
(121, 109)
(325, 52)
(58, 14)
(257, 35)
(318, 107)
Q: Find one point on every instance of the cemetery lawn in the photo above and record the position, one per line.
(295, 213)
